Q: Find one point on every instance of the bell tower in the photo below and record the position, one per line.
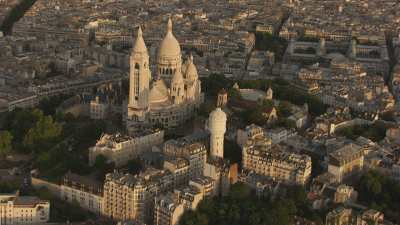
(139, 80)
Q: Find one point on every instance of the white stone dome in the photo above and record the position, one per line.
(191, 70)
(218, 115)
(159, 92)
(177, 78)
(217, 121)
(169, 47)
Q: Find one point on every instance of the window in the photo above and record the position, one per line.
(136, 74)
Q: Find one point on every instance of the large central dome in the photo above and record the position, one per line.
(169, 47)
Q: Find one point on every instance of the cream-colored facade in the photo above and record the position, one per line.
(339, 216)
(217, 128)
(223, 173)
(167, 210)
(259, 156)
(129, 197)
(190, 196)
(169, 98)
(120, 149)
(169, 207)
(16, 209)
(87, 193)
(195, 153)
(346, 161)
(251, 132)
(179, 167)
(348, 216)
(132, 197)
(345, 193)
(206, 185)
(98, 109)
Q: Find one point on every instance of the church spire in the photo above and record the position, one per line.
(140, 45)
(169, 28)
(140, 33)
(191, 57)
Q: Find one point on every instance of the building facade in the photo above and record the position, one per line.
(86, 192)
(171, 96)
(129, 197)
(273, 161)
(16, 209)
(98, 109)
(346, 161)
(195, 153)
(120, 149)
(167, 210)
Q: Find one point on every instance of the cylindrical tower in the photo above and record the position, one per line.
(217, 128)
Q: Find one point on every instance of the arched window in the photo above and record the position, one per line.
(136, 75)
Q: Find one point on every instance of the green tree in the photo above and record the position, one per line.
(242, 207)
(232, 151)
(5, 143)
(215, 83)
(44, 161)
(267, 104)
(234, 94)
(100, 162)
(135, 166)
(44, 133)
(20, 121)
(206, 108)
(8, 186)
(102, 166)
(380, 192)
(284, 109)
(268, 42)
(240, 191)
(49, 104)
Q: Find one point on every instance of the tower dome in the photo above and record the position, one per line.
(191, 70)
(169, 56)
(169, 47)
(217, 120)
(140, 46)
(177, 78)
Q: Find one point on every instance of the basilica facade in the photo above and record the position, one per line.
(168, 98)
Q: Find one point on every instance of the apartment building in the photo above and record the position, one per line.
(120, 148)
(16, 209)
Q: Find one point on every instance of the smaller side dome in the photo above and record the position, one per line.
(191, 70)
(159, 92)
(177, 78)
